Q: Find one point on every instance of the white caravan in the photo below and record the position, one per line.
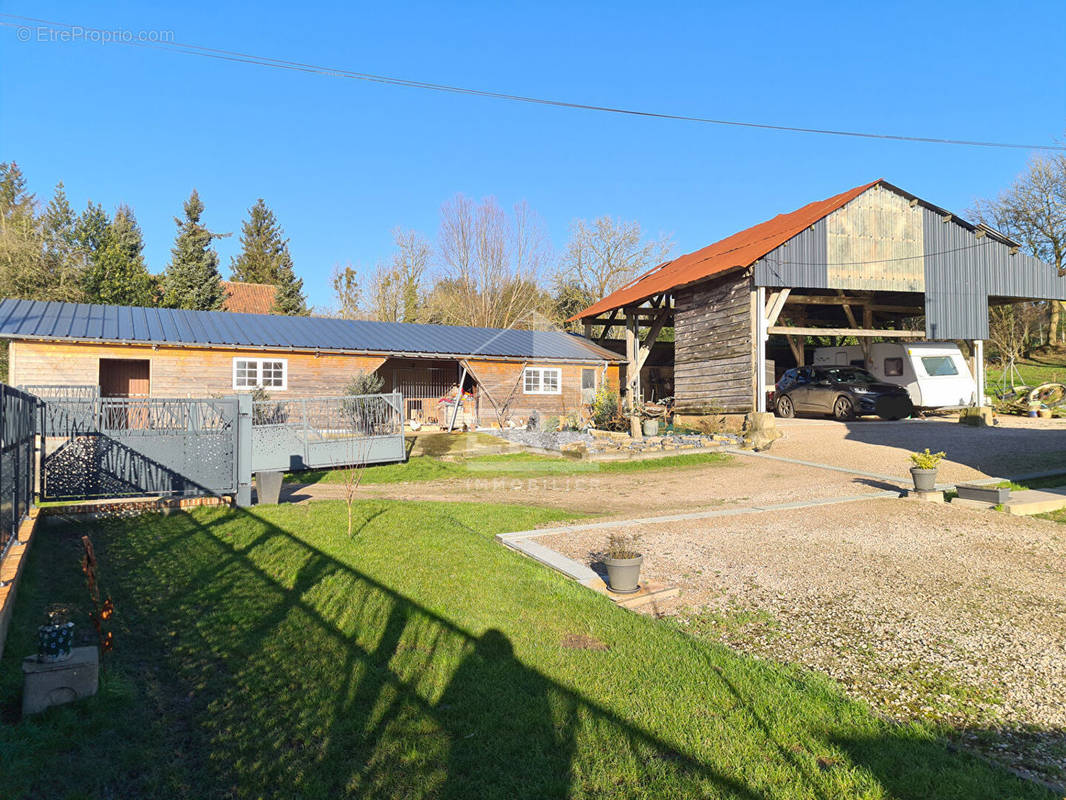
(935, 374)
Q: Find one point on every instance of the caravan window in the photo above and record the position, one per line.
(939, 365)
(893, 367)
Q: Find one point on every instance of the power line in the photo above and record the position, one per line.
(788, 263)
(337, 72)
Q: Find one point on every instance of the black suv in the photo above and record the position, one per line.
(843, 391)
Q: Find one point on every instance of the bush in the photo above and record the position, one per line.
(927, 460)
(620, 546)
(364, 383)
(605, 410)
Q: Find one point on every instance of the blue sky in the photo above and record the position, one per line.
(343, 162)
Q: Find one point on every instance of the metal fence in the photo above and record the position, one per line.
(113, 447)
(327, 431)
(18, 432)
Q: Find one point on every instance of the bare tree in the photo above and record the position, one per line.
(396, 288)
(1033, 211)
(604, 255)
(492, 263)
(347, 292)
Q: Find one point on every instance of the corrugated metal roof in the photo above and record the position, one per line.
(33, 319)
(739, 250)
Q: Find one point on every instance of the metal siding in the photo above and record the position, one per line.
(956, 280)
(52, 320)
(799, 263)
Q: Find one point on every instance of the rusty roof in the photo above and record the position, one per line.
(736, 251)
(248, 298)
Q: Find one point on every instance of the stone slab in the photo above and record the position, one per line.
(977, 505)
(649, 592)
(1036, 501)
(55, 683)
(924, 497)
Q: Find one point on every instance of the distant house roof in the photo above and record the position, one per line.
(248, 298)
(34, 319)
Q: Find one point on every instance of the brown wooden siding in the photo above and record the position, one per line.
(500, 378)
(181, 372)
(713, 357)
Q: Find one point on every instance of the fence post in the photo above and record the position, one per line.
(243, 450)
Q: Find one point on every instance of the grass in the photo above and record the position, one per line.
(1034, 371)
(508, 465)
(265, 654)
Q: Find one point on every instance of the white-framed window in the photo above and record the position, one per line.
(542, 380)
(266, 373)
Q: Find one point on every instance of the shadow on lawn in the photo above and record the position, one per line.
(307, 678)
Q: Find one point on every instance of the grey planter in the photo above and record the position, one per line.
(924, 479)
(623, 574)
(993, 495)
(268, 487)
(651, 427)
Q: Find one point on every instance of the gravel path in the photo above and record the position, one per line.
(1017, 445)
(926, 611)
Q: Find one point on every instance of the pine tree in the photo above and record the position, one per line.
(56, 275)
(264, 248)
(117, 275)
(192, 280)
(288, 294)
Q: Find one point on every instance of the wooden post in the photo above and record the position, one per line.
(760, 349)
(867, 322)
(633, 370)
(588, 328)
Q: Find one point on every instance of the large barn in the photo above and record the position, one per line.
(158, 352)
(871, 262)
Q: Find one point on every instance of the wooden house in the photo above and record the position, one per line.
(154, 352)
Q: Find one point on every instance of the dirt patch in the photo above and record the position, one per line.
(581, 641)
(743, 481)
(927, 612)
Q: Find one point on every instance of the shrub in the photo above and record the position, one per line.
(606, 410)
(927, 460)
(620, 545)
(364, 383)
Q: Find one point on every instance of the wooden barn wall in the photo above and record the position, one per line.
(713, 354)
(182, 372)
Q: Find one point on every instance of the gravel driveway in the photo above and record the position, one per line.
(926, 611)
(1018, 445)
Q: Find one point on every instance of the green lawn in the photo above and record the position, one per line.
(264, 654)
(510, 465)
(1034, 372)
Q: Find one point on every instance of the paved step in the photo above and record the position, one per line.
(647, 593)
(1036, 501)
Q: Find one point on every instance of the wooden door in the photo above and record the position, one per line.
(124, 377)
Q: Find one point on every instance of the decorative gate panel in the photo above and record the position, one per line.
(115, 447)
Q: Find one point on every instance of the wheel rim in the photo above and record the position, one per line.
(785, 406)
(843, 407)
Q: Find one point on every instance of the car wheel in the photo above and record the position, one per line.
(785, 408)
(843, 408)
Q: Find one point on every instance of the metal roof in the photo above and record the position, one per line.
(739, 250)
(34, 319)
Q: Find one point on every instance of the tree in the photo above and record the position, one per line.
(1033, 211)
(288, 291)
(191, 280)
(396, 288)
(346, 290)
(492, 264)
(116, 273)
(603, 256)
(264, 248)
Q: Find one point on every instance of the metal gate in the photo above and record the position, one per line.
(327, 432)
(95, 447)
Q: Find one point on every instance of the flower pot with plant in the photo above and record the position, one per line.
(55, 639)
(623, 560)
(924, 470)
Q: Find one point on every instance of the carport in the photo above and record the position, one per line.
(874, 262)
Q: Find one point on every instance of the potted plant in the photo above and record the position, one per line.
(54, 640)
(623, 560)
(924, 470)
